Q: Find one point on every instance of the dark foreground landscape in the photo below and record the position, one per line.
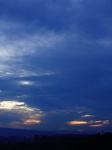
(57, 142)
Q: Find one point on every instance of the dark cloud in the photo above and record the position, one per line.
(89, 17)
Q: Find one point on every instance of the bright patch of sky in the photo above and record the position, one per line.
(25, 115)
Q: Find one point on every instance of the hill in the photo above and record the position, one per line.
(22, 132)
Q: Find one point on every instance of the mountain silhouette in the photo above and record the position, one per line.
(22, 132)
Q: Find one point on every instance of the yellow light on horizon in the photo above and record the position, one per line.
(30, 122)
(96, 125)
(26, 83)
(86, 116)
(77, 122)
(91, 123)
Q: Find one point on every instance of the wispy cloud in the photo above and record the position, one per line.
(87, 116)
(91, 123)
(14, 48)
(25, 44)
(26, 83)
(13, 70)
(96, 125)
(76, 110)
(77, 122)
(23, 124)
(30, 122)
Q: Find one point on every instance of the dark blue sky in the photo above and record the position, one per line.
(56, 64)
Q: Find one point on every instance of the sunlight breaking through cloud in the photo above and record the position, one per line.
(26, 83)
(87, 116)
(29, 122)
(15, 105)
(77, 122)
(91, 123)
(26, 115)
(96, 125)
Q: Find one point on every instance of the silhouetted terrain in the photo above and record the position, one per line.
(60, 142)
(22, 132)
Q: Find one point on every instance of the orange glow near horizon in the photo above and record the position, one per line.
(86, 116)
(77, 122)
(106, 122)
(92, 123)
(29, 122)
(96, 125)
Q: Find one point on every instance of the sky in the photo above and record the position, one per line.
(56, 65)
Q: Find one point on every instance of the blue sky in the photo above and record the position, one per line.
(55, 64)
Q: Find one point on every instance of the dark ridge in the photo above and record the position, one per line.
(22, 132)
(57, 142)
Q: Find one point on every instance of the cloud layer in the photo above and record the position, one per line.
(55, 56)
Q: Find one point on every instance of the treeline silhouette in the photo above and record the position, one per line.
(63, 142)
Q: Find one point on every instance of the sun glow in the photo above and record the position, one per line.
(77, 122)
(86, 116)
(26, 83)
(29, 122)
(96, 125)
(10, 105)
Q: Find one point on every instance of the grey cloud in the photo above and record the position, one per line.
(59, 15)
